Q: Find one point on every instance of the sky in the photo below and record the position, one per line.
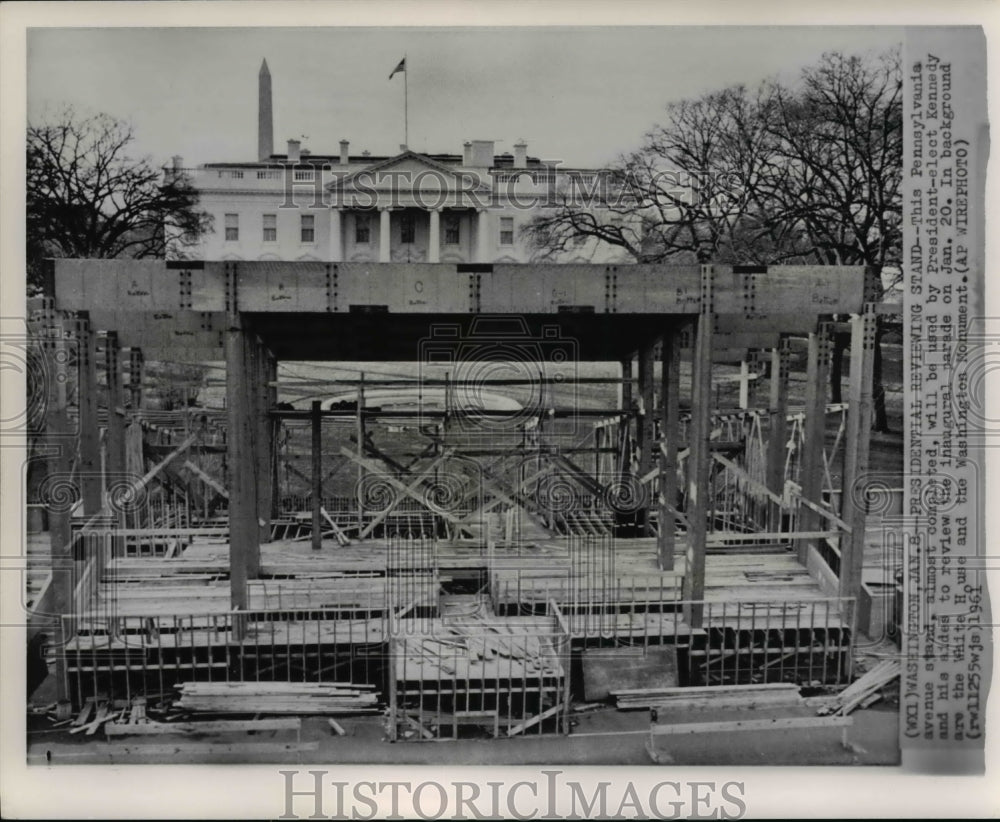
(578, 95)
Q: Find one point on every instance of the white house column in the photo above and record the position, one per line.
(384, 236)
(434, 242)
(482, 236)
(336, 235)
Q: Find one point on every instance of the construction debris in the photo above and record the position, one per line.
(277, 698)
(860, 692)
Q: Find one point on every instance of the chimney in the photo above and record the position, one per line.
(178, 162)
(265, 122)
(520, 154)
(345, 155)
(293, 151)
(467, 157)
(482, 153)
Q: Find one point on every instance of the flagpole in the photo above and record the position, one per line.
(406, 102)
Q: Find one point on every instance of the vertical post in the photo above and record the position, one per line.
(115, 440)
(60, 533)
(699, 468)
(814, 430)
(777, 429)
(625, 429)
(670, 419)
(265, 399)
(434, 238)
(317, 475)
(359, 423)
(859, 424)
(645, 424)
(244, 533)
(384, 235)
(90, 437)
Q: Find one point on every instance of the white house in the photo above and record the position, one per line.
(411, 207)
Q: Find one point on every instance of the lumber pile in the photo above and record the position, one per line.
(770, 695)
(277, 698)
(476, 648)
(864, 691)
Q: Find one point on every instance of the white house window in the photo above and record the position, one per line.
(308, 228)
(407, 228)
(232, 227)
(506, 231)
(452, 234)
(362, 229)
(270, 228)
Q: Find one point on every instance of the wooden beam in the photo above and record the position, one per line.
(669, 439)
(116, 421)
(317, 475)
(699, 466)
(646, 423)
(856, 451)
(814, 430)
(625, 427)
(777, 431)
(152, 473)
(785, 723)
(244, 532)
(205, 478)
(265, 398)
(410, 490)
(368, 465)
(337, 532)
(359, 432)
(59, 443)
(530, 723)
(91, 482)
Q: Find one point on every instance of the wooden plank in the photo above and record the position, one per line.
(89, 456)
(777, 435)
(699, 468)
(209, 727)
(409, 490)
(669, 448)
(777, 724)
(814, 429)
(522, 727)
(244, 553)
(241, 748)
(316, 451)
(337, 531)
(205, 478)
(856, 451)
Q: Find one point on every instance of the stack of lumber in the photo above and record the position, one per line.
(277, 698)
(707, 698)
(476, 648)
(863, 691)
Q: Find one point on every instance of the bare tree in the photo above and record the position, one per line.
(809, 174)
(87, 197)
